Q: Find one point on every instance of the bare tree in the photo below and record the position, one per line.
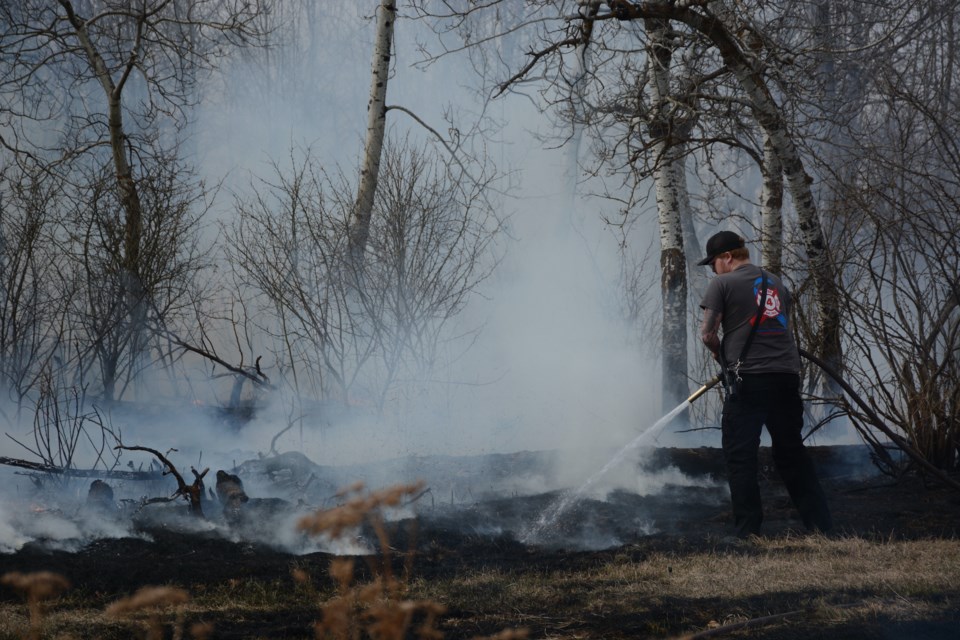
(901, 255)
(290, 246)
(66, 434)
(115, 82)
(728, 81)
(429, 248)
(29, 270)
(432, 245)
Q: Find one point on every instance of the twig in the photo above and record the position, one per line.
(901, 442)
(419, 495)
(745, 624)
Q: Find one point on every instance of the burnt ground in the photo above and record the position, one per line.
(449, 536)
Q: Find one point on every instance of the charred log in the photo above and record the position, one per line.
(231, 495)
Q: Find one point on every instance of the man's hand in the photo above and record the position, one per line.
(709, 331)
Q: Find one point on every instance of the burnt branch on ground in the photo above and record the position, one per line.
(113, 474)
(192, 493)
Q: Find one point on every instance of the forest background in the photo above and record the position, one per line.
(482, 241)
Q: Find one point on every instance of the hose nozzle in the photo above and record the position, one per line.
(712, 382)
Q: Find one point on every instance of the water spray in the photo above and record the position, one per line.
(567, 500)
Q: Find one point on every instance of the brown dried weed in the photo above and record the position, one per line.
(37, 587)
(153, 600)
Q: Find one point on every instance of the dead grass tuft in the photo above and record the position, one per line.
(379, 609)
(201, 630)
(153, 600)
(37, 587)
(357, 509)
(508, 634)
(148, 598)
(40, 585)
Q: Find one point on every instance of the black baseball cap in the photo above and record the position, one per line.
(721, 242)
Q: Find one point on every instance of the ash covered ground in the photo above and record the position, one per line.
(468, 507)
(478, 512)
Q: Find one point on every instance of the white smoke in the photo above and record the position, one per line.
(554, 369)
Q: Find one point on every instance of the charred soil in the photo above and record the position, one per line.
(446, 544)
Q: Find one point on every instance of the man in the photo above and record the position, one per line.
(769, 384)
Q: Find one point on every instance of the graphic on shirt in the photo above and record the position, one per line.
(773, 321)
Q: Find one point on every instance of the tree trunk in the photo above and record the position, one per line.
(132, 287)
(668, 178)
(376, 129)
(769, 118)
(771, 210)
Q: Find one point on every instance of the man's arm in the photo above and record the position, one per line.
(709, 331)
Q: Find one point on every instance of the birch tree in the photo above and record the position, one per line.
(728, 63)
(667, 131)
(376, 130)
(770, 119)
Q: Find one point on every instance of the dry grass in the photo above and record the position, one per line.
(379, 609)
(827, 582)
(37, 588)
(791, 587)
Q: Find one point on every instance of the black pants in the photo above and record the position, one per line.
(772, 400)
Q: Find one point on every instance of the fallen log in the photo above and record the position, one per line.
(114, 474)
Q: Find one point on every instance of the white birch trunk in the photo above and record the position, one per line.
(673, 278)
(376, 130)
(771, 210)
(692, 248)
(668, 173)
(768, 116)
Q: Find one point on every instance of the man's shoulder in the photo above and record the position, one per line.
(751, 274)
(745, 270)
(714, 294)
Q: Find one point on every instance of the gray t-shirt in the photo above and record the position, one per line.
(736, 295)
